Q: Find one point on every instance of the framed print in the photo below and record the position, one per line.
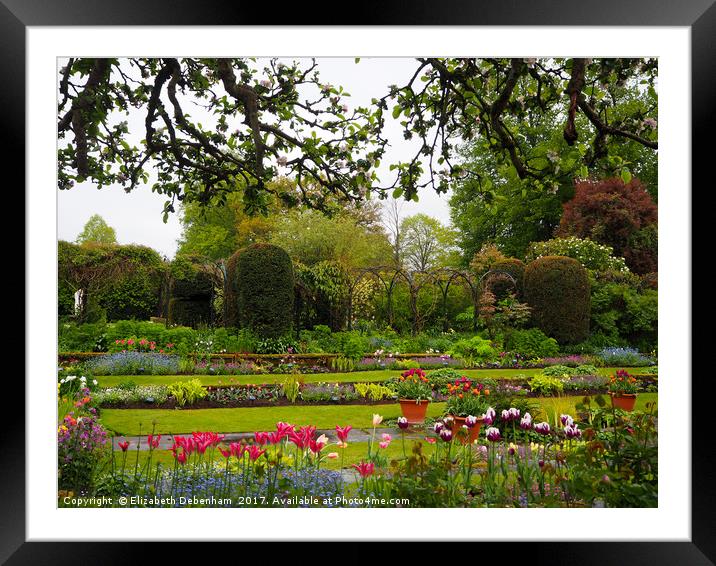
(397, 279)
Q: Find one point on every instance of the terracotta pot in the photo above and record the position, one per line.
(474, 432)
(414, 412)
(623, 401)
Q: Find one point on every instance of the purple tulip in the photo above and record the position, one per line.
(438, 426)
(566, 420)
(572, 431)
(403, 423)
(446, 434)
(526, 422)
(489, 416)
(542, 428)
(470, 421)
(493, 434)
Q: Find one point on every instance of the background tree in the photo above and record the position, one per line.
(427, 243)
(495, 204)
(97, 231)
(617, 214)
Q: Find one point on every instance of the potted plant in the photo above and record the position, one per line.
(414, 393)
(622, 389)
(467, 399)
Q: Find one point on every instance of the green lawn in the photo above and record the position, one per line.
(172, 421)
(127, 421)
(374, 375)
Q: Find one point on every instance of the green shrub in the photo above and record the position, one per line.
(121, 281)
(352, 348)
(262, 286)
(590, 254)
(90, 337)
(532, 343)
(473, 351)
(585, 369)
(280, 345)
(546, 385)
(558, 371)
(557, 288)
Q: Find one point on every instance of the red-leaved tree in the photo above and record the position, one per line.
(620, 215)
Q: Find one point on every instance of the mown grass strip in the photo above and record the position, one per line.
(373, 375)
(172, 421)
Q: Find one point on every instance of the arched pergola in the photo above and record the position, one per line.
(443, 278)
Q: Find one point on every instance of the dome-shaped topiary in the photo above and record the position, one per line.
(557, 288)
(260, 289)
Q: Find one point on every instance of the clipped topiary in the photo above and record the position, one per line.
(262, 286)
(513, 267)
(557, 288)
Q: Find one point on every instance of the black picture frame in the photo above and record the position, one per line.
(698, 15)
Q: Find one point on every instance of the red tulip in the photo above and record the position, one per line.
(225, 453)
(181, 457)
(237, 449)
(123, 445)
(342, 432)
(365, 469)
(275, 437)
(153, 441)
(284, 428)
(261, 437)
(254, 452)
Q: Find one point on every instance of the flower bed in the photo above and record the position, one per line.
(602, 460)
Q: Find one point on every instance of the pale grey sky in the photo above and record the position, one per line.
(137, 217)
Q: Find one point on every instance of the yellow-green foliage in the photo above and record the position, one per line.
(187, 392)
(342, 364)
(373, 391)
(290, 388)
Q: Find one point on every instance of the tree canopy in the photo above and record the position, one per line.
(97, 231)
(269, 117)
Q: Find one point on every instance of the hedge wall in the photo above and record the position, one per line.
(262, 278)
(557, 288)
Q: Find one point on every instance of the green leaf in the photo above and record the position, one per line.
(398, 192)
(396, 111)
(626, 175)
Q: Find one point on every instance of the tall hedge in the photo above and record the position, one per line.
(191, 292)
(262, 287)
(231, 292)
(557, 288)
(120, 281)
(516, 269)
